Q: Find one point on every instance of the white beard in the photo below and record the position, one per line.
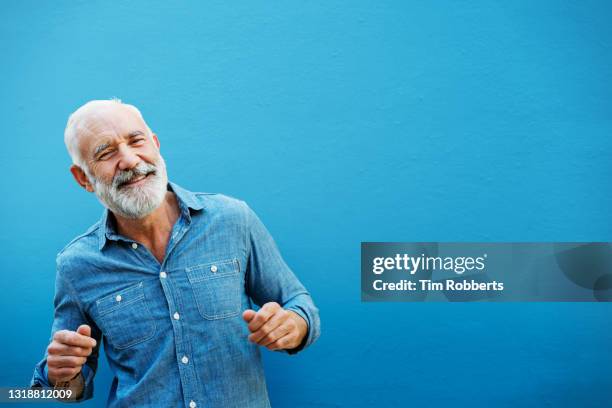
(135, 201)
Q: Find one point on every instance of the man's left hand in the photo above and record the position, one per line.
(274, 327)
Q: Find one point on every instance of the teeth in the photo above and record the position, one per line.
(137, 179)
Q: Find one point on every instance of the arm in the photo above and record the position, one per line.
(287, 305)
(72, 355)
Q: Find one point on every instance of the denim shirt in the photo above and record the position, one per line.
(173, 332)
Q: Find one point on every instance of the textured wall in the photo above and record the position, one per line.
(339, 122)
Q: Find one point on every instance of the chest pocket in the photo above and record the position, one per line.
(216, 288)
(125, 317)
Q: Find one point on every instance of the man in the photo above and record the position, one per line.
(166, 279)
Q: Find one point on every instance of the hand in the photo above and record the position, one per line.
(274, 327)
(68, 352)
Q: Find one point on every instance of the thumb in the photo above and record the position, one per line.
(85, 330)
(248, 314)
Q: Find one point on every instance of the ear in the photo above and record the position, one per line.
(155, 140)
(81, 178)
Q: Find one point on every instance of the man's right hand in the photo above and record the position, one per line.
(68, 352)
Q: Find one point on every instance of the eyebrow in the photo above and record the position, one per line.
(135, 133)
(100, 149)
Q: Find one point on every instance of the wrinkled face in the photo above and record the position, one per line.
(123, 163)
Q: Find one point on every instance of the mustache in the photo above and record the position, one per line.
(125, 176)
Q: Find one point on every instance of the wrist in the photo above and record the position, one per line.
(76, 384)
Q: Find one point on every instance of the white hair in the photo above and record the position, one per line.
(78, 123)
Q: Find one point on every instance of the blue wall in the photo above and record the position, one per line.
(339, 122)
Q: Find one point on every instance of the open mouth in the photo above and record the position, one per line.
(137, 180)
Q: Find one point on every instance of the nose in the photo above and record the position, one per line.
(127, 159)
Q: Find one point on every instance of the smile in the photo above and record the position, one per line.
(137, 180)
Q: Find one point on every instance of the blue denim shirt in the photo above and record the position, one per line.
(173, 332)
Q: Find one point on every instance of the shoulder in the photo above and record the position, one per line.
(220, 201)
(211, 202)
(79, 247)
(217, 204)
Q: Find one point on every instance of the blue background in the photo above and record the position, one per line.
(338, 122)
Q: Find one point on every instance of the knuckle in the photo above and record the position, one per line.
(270, 306)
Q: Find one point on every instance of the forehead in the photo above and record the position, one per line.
(106, 125)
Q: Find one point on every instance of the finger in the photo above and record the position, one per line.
(74, 339)
(60, 349)
(285, 342)
(85, 330)
(66, 373)
(275, 335)
(248, 314)
(262, 316)
(65, 361)
(275, 321)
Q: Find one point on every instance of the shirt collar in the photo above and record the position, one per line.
(185, 198)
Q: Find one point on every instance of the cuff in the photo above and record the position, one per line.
(40, 378)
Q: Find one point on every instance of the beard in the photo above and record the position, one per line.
(138, 200)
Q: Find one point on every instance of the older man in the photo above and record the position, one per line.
(166, 279)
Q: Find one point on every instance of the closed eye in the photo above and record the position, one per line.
(105, 155)
(137, 141)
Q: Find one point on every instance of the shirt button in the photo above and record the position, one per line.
(213, 268)
(134, 245)
(176, 316)
(192, 404)
(184, 360)
(163, 275)
(118, 298)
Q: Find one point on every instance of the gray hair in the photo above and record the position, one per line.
(78, 122)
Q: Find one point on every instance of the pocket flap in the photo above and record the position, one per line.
(120, 298)
(212, 270)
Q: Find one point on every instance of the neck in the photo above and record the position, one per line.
(154, 229)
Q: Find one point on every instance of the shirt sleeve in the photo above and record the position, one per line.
(69, 315)
(269, 279)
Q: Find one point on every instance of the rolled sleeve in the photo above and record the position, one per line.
(269, 279)
(69, 315)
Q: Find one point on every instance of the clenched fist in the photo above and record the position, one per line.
(274, 327)
(68, 352)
